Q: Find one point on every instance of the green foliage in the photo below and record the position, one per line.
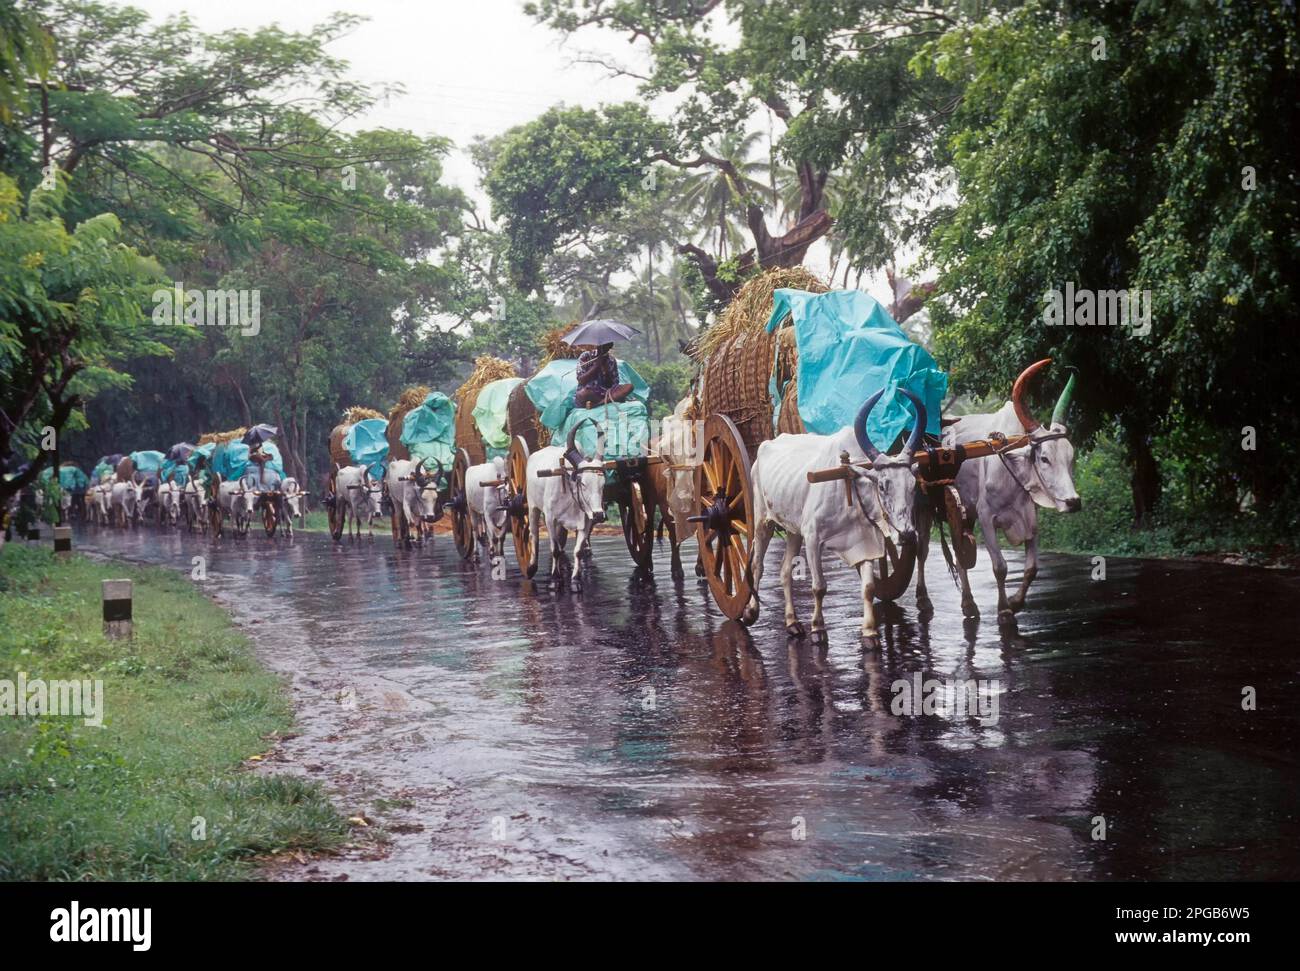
(551, 179)
(184, 703)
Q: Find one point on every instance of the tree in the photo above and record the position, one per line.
(1114, 149)
(70, 313)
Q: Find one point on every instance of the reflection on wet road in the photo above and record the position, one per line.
(502, 730)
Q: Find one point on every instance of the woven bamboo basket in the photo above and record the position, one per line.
(738, 357)
(486, 370)
(407, 401)
(523, 419)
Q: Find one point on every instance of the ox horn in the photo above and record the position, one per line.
(571, 445)
(1017, 392)
(915, 439)
(1063, 402)
(860, 426)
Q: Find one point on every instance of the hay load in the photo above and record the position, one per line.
(554, 348)
(339, 455)
(407, 401)
(487, 369)
(737, 356)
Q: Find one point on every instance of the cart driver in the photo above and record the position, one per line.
(598, 378)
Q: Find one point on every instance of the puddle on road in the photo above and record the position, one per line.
(493, 729)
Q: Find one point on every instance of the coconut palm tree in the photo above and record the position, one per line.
(718, 201)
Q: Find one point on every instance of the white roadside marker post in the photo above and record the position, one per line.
(117, 609)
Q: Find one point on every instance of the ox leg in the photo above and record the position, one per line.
(1017, 602)
(793, 544)
(559, 556)
(582, 543)
(763, 536)
(818, 588)
(922, 519)
(999, 563)
(868, 576)
(535, 527)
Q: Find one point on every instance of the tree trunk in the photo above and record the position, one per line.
(1145, 479)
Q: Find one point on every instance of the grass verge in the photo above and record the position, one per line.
(185, 703)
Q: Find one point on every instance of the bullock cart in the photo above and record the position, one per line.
(753, 351)
(340, 458)
(541, 413)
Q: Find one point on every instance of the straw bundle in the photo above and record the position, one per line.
(554, 348)
(359, 413)
(407, 401)
(486, 370)
(738, 355)
(523, 419)
(752, 305)
(220, 437)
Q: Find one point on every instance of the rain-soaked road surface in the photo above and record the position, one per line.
(489, 728)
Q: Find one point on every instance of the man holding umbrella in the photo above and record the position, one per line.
(598, 369)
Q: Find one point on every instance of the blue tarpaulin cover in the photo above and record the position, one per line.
(849, 346)
(147, 461)
(367, 443)
(626, 425)
(178, 472)
(490, 412)
(429, 431)
(230, 459)
(552, 390)
(71, 478)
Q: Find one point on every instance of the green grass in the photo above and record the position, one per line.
(185, 703)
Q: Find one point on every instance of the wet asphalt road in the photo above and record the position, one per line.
(490, 728)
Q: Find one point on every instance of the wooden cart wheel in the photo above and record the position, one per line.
(337, 518)
(517, 470)
(963, 538)
(462, 527)
(637, 516)
(724, 526)
(268, 516)
(894, 570)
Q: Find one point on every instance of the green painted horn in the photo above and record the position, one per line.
(1063, 403)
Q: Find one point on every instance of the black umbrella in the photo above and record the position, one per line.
(179, 452)
(600, 332)
(259, 434)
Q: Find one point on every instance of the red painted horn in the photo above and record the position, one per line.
(1017, 392)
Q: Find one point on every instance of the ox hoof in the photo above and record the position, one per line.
(750, 614)
(819, 635)
(532, 569)
(677, 572)
(870, 638)
(1016, 604)
(924, 604)
(1006, 617)
(577, 585)
(970, 611)
(699, 570)
(795, 629)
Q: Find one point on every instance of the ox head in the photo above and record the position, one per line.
(428, 485)
(584, 475)
(1046, 468)
(886, 488)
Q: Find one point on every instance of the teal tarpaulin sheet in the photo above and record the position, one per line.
(849, 347)
(100, 470)
(626, 425)
(202, 451)
(178, 472)
(490, 411)
(552, 389)
(230, 459)
(148, 461)
(71, 478)
(367, 443)
(429, 431)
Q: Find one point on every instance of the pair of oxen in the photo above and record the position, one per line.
(1002, 492)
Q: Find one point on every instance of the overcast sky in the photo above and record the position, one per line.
(469, 67)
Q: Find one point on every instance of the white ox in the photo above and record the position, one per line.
(413, 491)
(169, 503)
(98, 499)
(359, 495)
(1005, 492)
(194, 499)
(571, 496)
(823, 516)
(295, 501)
(237, 500)
(124, 502)
(486, 494)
